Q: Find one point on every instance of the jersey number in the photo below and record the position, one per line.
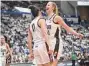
(33, 27)
(48, 32)
(49, 28)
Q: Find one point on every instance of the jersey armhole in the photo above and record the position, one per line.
(53, 19)
(38, 21)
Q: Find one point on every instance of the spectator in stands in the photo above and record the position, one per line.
(79, 56)
(82, 60)
(74, 58)
(79, 20)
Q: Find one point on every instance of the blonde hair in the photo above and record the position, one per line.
(55, 8)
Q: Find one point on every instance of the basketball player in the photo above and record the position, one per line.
(4, 48)
(38, 32)
(9, 51)
(54, 23)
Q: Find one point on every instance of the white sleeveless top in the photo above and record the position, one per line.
(53, 29)
(36, 32)
(54, 32)
(3, 50)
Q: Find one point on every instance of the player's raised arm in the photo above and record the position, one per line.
(29, 40)
(60, 21)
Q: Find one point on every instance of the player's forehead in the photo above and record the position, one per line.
(2, 37)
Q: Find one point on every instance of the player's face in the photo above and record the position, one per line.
(2, 39)
(49, 7)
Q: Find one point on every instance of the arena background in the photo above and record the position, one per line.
(15, 22)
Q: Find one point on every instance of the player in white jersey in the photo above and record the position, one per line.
(4, 48)
(38, 32)
(54, 23)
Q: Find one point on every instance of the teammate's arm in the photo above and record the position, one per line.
(8, 50)
(42, 24)
(60, 21)
(29, 40)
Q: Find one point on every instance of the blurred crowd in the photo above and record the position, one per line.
(20, 54)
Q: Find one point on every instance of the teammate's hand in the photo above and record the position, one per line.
(31, 56)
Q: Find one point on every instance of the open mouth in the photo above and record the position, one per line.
(47, 8)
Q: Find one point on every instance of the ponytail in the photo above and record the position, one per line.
(56, 11)
(55, 8)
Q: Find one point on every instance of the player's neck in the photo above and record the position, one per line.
(50, 14)
(39, 15)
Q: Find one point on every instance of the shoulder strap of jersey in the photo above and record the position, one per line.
(53, 19)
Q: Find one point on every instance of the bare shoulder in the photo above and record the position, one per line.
(41, 20)
(58, 19)
(7, 45)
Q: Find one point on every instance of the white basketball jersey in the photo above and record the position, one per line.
(36, 31)
(54, 32)
(53, 29)
(3, 51)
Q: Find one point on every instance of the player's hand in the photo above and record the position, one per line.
(50, 51)
(80, 35)
(31, 56)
